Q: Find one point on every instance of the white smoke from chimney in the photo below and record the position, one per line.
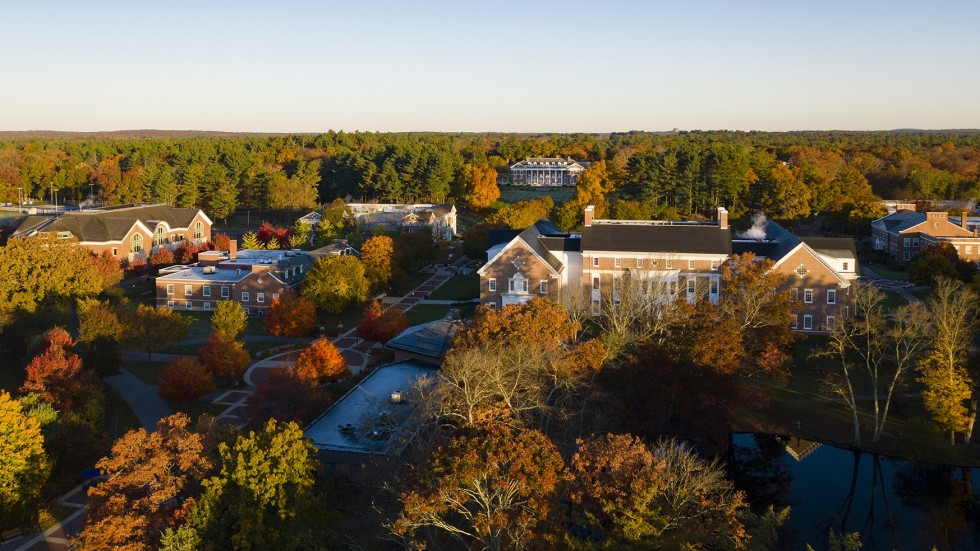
(758, 229)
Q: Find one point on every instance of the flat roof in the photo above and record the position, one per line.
(196, 273)
(365, 420)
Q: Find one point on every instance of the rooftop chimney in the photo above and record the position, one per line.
(722, 218)
(937, 216)
(905, 206)
(963, 219)
(589, 215)
(233, 250)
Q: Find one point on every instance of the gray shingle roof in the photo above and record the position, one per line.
(689, 238)
(431, 339)
(109, 224)
(899, 221)
(837, 247)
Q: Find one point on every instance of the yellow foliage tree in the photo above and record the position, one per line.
(481, 186)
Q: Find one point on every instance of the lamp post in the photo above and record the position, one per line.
(91, 193)
(20, 201)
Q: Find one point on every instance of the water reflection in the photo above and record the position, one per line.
(893, 504)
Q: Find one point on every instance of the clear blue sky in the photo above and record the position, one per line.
(468, 65)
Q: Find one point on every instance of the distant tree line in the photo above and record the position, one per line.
(791, 174)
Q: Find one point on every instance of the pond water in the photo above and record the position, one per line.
(894, 504)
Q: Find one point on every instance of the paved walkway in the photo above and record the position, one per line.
(236, 412)
(148, 406)
(904, 292)
(55, 537)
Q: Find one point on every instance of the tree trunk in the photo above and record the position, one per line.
(972, 417)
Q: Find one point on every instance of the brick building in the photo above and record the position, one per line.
(126, 232)
(253, 278)
(905, 232)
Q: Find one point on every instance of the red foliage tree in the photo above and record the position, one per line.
(290, 316)
(220, 242)
(56, 372)
(321, 362)
(185, 380)
(224, 357)
(287, 397)
(136, 267)
(185, 253)
(163, 257)
(273, 237)
(108, 268)
(379, 324)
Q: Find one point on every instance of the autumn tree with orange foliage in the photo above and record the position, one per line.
(628, 496)
(152, 479)
(526, 357)
(321, 362)
(223, 356)
(381, 325)
(185, 380)
(491, 487)
(481, 186)
(56, 372)
(376, 255)
(290, 316)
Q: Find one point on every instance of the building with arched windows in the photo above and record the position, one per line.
(126, 232)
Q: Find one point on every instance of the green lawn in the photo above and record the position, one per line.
(201, 324)
(513, 194)
(411, 283)
(884, 271)
(458, 288)
(148, 372)
(422, 313)
(893, 300)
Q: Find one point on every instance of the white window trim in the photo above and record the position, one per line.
(225, 291)
(188, 290)
(170, 304)
(170, 289)
(807, 299)
(259, 297)
(618, 263)
(807, 322)
(245, 296)
(831, 296)
(206, 290)
(691, 265)
(207, 305)
(831, 320)
(595, 261)
(492, 284)
(543, 287)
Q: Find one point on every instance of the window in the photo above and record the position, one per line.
(639, 262)
(807, 296)
(259, 297)
(275, 296)
(801, 271)
(831, 296)
(714, 264)
(915, 242)
(207, 305)
(794, 294)
(969, 249)
(669, 264)
(244, 296)
(136, 243)
(188, 290)
(907, 242)
(160, 237)
(807, 322)
(492, 282)
(543, 287)
(847, 312)
(245, 310)
(115, 251)
(618, 262)
(905, 255)
(198, 230)
(831, 320)
(188, 305)
(714, 286)
(796, 321)
(224, 292)
(595, 283)
(691, 285)
(595, 261)
(690, 264)
(206, 291)
(170, 288)
(170, 304)
(845, 266)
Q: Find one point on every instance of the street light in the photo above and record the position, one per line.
(20, 202)
(91, 193)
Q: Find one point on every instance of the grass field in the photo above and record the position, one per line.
(511, 194)
(884, 271)
(458, 288)
(893, 300)
(422, 313)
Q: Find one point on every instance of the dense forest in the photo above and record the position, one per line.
(789, 175)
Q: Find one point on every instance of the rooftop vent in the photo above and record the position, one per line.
(209, 269)
(396, 397)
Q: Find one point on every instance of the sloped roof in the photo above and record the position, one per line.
(837, 247)
(899, 221)
(566, 243)
(432, 339)
(109, 224)
(666, 238)
(532, 235)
